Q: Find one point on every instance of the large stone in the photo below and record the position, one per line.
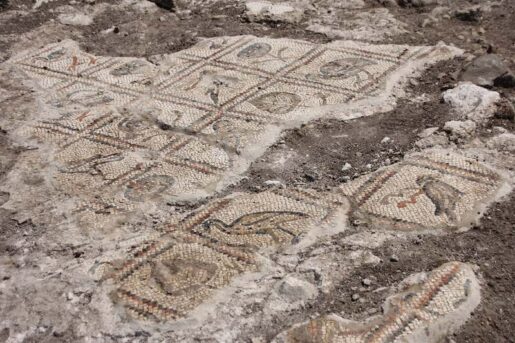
(277, 12)
(472, 102)
(489, 70)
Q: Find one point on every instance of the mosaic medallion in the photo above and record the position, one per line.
(425, 312)
(432, 190)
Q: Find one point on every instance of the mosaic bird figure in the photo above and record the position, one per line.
(443, 195)
(264, 223)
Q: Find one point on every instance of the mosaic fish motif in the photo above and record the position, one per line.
(255, 50)
(444, 196)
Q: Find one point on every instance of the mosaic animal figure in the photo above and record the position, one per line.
(261, 223)
(443, 195)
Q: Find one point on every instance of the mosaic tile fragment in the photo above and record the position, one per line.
(424, 311)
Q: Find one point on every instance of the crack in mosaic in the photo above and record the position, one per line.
(426, 311)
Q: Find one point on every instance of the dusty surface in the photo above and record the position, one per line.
(387, 187)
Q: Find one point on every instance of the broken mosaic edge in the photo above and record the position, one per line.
(422, 312)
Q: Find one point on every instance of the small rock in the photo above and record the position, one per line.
(386, 140)
(310, 177)
(459, 130)
(293, 289)
(497, 130)
(394, 258)
(473, 14)
(346, 166)
(267, 11)
(416, 3)
(505, 110)
(503, 142)
(366, 282)
(489, 70)
(355, 297)
(427, 132)
(75, 19)
(166, 4)
(272, 183)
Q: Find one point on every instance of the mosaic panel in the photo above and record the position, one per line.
(425, 312)
(170, 275)
(438, 189)
(115, 161)
(192, 116)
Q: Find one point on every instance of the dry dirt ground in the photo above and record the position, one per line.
(320, 154)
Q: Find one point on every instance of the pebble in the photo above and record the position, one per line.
(366, 282)
(273, 183)
(355, 297)
(394, 258)
(386, 140)
(346, 166)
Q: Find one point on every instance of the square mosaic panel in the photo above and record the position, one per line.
(433, 190)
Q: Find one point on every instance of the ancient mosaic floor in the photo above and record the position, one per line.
(127, 131)
(121, 135)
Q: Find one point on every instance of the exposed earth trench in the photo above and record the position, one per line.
(257, 171)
